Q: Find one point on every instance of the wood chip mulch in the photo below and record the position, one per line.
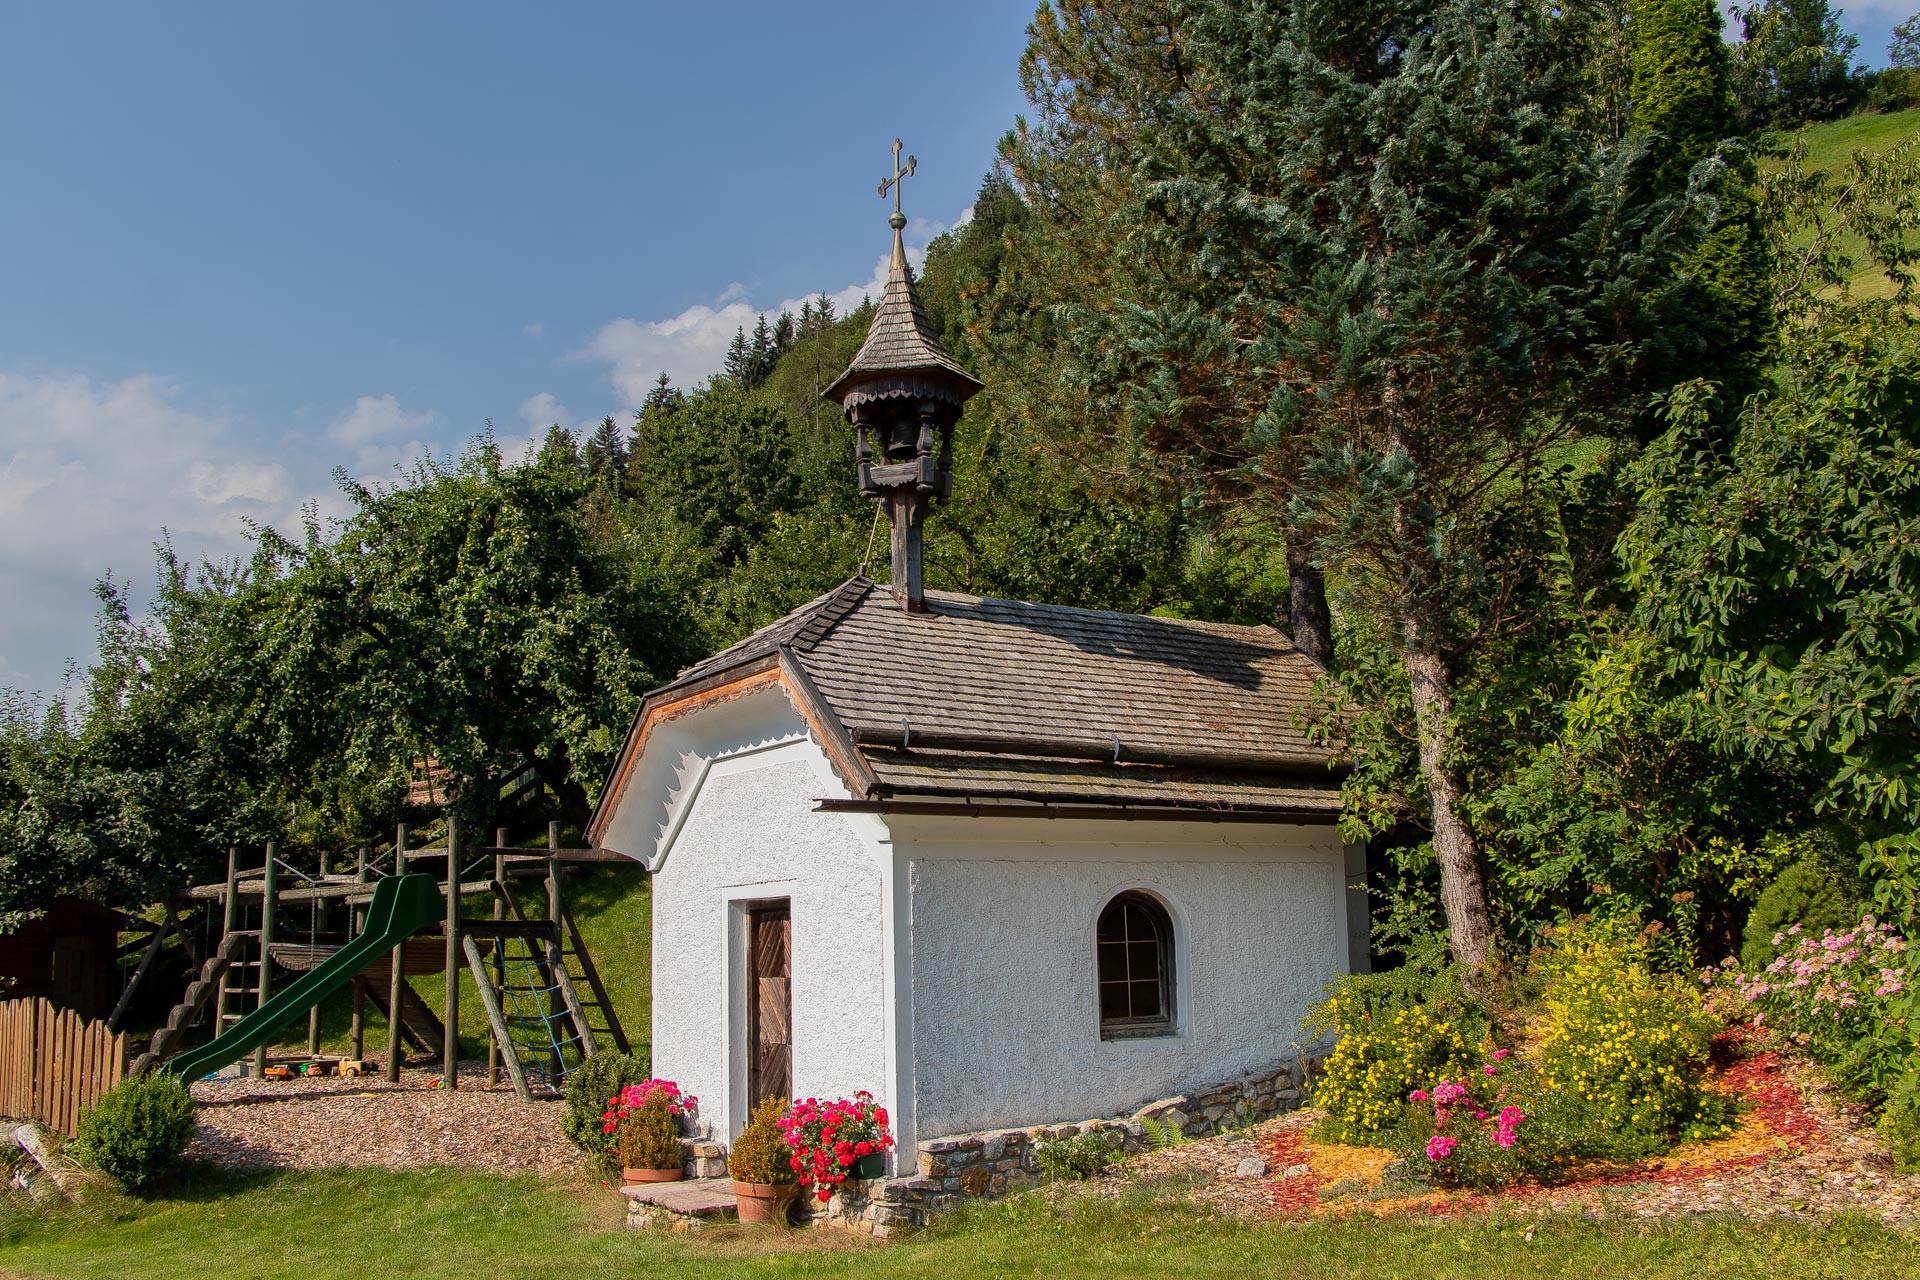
(328, 1121)
(1796, 1153)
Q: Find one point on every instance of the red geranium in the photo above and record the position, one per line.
(634, 1096)
(827, 1137)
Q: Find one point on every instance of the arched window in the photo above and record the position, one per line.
(1133, 948)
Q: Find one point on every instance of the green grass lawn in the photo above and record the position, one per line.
(427, 1223)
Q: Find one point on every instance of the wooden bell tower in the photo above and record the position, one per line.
(902, 394)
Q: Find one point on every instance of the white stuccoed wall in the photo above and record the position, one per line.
(731, 821)
(1006, 1029)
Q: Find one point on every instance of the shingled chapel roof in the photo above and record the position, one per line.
(979, 702)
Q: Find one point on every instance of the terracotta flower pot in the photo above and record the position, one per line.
(765, 1201)
(651, 1175)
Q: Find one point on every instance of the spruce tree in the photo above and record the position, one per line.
(605, 454)
(739, 364)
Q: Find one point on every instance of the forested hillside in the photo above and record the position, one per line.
(1535, 366)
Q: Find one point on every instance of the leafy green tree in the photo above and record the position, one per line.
(1794, 64)
(1903, 50)
(720, 464)
(472, 616)
(1390, 281)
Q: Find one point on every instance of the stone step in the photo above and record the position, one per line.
(694, 1198)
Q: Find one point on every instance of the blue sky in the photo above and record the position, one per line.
(242, 244)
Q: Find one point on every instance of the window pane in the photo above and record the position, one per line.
(1113, 998)
(1146, 999)
(1113, 961)
(1113, 924)
(1143, 961)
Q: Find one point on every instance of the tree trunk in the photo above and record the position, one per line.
(1308, 621)
(1463, 888)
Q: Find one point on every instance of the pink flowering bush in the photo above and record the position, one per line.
(827, 1137)
(1851, 1000)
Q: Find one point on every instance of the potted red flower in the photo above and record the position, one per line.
(837, 1140)
(642, 1124)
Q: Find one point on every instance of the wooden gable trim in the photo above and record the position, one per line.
(826, 727)
(670, 704)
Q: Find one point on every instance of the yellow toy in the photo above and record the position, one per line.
(352, 1067)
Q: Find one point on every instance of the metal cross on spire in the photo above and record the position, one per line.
(898, 175)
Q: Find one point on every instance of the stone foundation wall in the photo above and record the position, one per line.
(702, 1158)
(988, 1165)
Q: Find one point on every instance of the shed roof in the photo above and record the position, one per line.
(987, 702)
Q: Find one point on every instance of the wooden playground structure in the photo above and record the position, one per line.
(545, 1003)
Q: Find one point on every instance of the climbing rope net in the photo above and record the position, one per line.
(543, 1033)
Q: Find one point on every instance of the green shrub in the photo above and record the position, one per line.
(760, 1153)
(589, 1085)
(1397, 1031)
(138, 1129)
(1808, 894)
(1631, 1042)
(1900, 1126)
(1080, 1156)
(649, 1139)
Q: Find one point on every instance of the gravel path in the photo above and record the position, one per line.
(328, 1121)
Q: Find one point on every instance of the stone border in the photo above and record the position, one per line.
(998, 1162)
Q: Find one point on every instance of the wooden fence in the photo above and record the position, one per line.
(53, 1065)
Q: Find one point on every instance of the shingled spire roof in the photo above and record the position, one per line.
(902, 356)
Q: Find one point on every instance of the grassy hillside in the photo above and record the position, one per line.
(1832, 145)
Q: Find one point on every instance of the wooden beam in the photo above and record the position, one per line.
(357, 1029)
(490, 1001)
(396, 1051)
(496, 1044)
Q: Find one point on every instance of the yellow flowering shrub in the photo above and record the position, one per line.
(1629, 1041)
(1394, 1033)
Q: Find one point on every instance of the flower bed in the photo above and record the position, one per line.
(1774, 1123)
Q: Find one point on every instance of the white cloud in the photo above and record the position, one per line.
(383, 435)
(534, 330)
(90, 475)
(692, 346)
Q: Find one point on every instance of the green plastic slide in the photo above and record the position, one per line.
(401, 906)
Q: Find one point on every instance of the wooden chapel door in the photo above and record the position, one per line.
(769, 1002)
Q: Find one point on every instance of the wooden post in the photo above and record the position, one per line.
(450, 1055)
(557, 962)
(265, 987)
(496, 1046)
(358, 1027)
(495, 1017)
(396, 964)
(322, 918)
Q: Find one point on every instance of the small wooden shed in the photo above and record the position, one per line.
(67, 954)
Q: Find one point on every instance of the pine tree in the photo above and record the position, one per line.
(662, 398)
(823, 309)
(759, 354)
(783, 334)
(605, 454)
(739, 364)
